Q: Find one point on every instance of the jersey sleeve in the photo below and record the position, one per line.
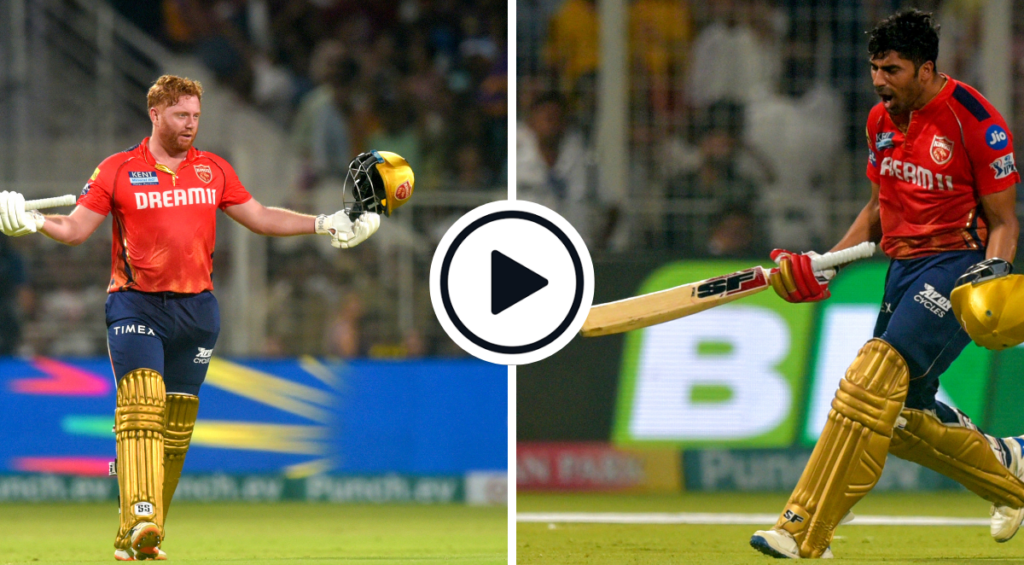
(234, 191)
(989, 145)
(873, 158)
(98, 193)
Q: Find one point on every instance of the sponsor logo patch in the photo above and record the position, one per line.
(133, 329)
(85, 189)
(403, 190)
(142, 178)
(95, 174)
(872, 159)
(1004, 166)
(203, 172)
(996, 137)
(933, 301)
(203, 357)
(884, 140)
(941, 150)
(731, 284)
(142, 509)
(791, 516)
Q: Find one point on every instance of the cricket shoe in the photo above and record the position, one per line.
(143, 543)
(123, 555)
(780, 544)
(1006, 520)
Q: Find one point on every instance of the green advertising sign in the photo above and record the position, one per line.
(732, 375)
(760, 372)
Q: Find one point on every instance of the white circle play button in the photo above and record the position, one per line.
(511, 282)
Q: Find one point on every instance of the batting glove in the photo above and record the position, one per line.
(346, 233)
(795, 280)
(15, 221)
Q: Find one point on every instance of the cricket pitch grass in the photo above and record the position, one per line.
(564, 543)
(284, 533)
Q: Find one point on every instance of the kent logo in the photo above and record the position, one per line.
(142, 178)
(725, 285)
(884, 140)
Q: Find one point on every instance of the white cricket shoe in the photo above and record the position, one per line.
(1006, 520)
(779, 544)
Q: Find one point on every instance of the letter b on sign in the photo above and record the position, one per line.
(732, 352)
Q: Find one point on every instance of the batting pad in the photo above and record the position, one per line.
(850, 454)
(182, 410)
(139, 428)
(960, 453)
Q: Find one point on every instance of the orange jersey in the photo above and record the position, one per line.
(957, 149)
(165, 224)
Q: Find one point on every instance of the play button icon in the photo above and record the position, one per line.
(511, 282)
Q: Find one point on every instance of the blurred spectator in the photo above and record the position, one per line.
(659, 35)
(344, 331)
(736, 57)
(572, 48)
(330, 143)
(734, 235)
(398, 132)
(552, 169)
(719, 168)
(15, 296)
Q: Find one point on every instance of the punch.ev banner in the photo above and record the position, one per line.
(761, 372)
(296, 418)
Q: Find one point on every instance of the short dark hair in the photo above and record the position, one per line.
(910, 33)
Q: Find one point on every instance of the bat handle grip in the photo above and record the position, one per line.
(848, 255)
(66, 200)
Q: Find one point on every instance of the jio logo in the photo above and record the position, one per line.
(996, 137)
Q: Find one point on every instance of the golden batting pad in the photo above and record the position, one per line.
(139, 429)
(961, 454)
(182, 410)
(850, 454)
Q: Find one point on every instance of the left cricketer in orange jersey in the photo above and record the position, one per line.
(162, 319)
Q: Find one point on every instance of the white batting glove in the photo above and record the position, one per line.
(15, 221)
(344, 232)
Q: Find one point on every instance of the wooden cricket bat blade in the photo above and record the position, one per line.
(666, 305)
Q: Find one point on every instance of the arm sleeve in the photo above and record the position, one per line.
(989, 146)
(98, 193)
(872, 171)
(234, 191)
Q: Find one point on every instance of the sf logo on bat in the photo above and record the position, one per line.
(727, 284)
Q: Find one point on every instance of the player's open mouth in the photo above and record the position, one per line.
(886, 100)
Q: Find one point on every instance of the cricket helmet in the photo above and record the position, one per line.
(991, 311)
(382, 181)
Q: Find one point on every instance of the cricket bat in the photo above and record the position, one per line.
(66, 200)
(659, 307)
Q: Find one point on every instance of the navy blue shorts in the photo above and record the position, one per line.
(917, 318)
(171, 334)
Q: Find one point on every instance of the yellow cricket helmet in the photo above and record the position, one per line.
(991, 310)
(382, 181)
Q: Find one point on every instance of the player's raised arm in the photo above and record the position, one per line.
(73, 229)
(344, 231)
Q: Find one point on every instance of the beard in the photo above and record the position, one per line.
(173, 142)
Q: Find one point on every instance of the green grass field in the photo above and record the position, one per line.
(285, 533)
(628, 544)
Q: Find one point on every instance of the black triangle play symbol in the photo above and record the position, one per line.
(511, 282)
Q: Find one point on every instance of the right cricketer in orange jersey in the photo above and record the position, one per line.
(943, 206)
(164, 221)
(162, 318)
